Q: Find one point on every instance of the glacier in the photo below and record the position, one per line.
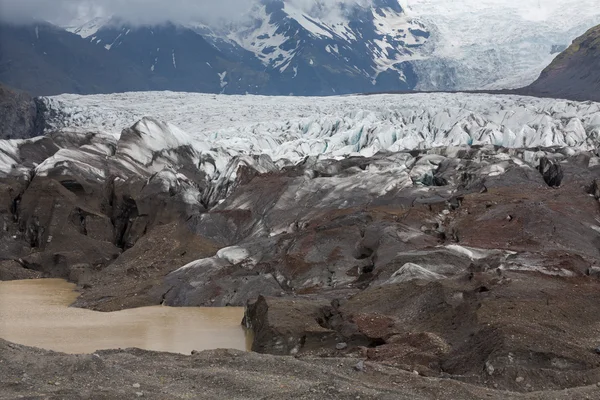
(201, 146)
(295, 127)
(495, 44)
(251, 172)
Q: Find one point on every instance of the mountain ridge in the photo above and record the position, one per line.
(43, 59)
(574, 73)
(283, 49)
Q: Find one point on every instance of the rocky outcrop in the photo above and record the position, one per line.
(11, 270)
(21, 116)
(287, 326)
(575, 73)
(551, 171)
(74, 205)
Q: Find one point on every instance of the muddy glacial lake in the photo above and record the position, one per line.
(36, 313)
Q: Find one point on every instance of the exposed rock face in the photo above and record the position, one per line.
(21, 117)
(551, 171)
(287, 326)
(11, 271)
(575, 73)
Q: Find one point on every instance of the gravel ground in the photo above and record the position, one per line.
(225, 374)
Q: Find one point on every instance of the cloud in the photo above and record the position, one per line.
(64, 12)
(136, 11)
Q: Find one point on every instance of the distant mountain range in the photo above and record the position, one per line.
(280, 49)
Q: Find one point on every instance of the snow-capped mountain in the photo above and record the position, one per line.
(178, 58)
(367, 43)
(385, 45)
(345, 49)
(44, 59)
(312, 47)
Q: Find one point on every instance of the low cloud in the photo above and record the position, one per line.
(136, 11)
(64, 12)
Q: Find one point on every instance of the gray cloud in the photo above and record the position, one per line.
(144, 11)
(136, 11)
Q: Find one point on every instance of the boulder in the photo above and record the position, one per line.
(288, 326)
(552, 171)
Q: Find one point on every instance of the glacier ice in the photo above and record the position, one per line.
(201, 146)
(295, 127)
(495, 44)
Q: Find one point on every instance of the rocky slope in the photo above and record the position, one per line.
(173, 57)
(474, 265)
(21, 117)
(575, 73)
(44, 59)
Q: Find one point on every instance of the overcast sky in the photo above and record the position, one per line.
(143, 11)
(139, 11)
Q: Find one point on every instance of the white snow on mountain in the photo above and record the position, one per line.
(263, 40)
(87, 28)
(474, 44)
(273, 43)
(295, 127)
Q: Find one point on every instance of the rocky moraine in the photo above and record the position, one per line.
(383, 246)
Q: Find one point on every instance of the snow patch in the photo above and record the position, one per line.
(234, 254)
(409, 272)
(222, 77)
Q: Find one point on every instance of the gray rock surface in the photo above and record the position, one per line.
(21, 116)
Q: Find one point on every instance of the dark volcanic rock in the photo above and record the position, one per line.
(286, 326)
(13, 271)
(54, 221)
(21, 117)
(551, 171)
(135, 278)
